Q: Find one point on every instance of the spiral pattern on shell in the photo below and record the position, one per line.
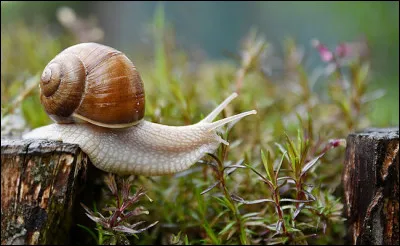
(94, 83)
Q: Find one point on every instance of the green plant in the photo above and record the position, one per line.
(115, 226)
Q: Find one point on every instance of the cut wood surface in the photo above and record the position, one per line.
(371, 186)
(39, 180)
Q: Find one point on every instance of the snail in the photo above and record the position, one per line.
(96, 97)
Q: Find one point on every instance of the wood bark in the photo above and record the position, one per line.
(39, 181)
(371, 186)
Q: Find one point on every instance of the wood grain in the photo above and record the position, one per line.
(371, 186)
(39, 180)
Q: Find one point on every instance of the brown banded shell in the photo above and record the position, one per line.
(94, 83)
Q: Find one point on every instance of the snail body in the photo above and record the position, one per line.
(130, 144)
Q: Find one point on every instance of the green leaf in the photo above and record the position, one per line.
(291, 145)
(255, 223)
(279, 166)
(210, 187)
(294, 200)
(226, 228)
(290, 206)
(293, 155)
(221, 213)
(225, 202)
(186, 240)
(304, 152)
(299, 140)
(310, 164)
(269, 168)
(283, 151)
(211, 233)
(291, 229)
(241, 200)
(250, 215)
(261, 176)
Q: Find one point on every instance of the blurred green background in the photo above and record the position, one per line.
(213, 29)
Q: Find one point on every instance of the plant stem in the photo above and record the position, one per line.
(236, 213)
(278, 207)
(232, 206)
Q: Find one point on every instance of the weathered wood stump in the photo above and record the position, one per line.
(371, 186)
(39, 180)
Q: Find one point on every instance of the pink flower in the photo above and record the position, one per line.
(352, 49)
(324, 52)
(337, 142)
(343, 50)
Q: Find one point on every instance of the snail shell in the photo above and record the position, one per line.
(93, 83)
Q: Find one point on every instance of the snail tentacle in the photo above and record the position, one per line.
(211, 116)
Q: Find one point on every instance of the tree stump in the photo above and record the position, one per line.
(371, 186)
(39, 181)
